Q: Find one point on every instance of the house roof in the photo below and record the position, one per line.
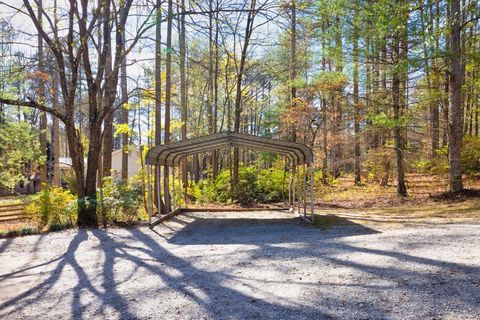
(171, 154)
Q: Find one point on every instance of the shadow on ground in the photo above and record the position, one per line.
(200, 231)
(220, 292)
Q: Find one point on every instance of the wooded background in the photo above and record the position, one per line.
(366, 84)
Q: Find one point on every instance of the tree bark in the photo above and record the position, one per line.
(125, 110)
(108, 122)
(293, 62)
(238, 97)
(41, 95)
(168, 99)
(455, 122)
(183, 84)
(397, 131)
(356, 106)
(56, 181)
(158, 99)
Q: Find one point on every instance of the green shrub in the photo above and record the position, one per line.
(58, 226)
(23, 231)
(379, 164)
(122, 200)
(253, 186)
(272, 184)
(53, 206)
(470, 159)
(246, 191)
(69, 180)
(471, 155)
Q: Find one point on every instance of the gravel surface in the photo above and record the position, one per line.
(241, 265)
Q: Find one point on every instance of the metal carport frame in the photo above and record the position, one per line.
(172, 154)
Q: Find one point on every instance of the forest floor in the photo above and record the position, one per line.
(428, 203)
(244, 265)
(422, 189)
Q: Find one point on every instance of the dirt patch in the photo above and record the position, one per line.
(457, 196)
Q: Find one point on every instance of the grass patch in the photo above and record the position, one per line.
(22, 231)
(467, 209)
(331, 220)
(11, 200)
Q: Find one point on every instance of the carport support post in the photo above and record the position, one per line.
(159, 195)
(149, 194)
(173, 187)
(312, 196)
(299, 189)
(305, 190)
(290, 187)
(185, 186)
(293, 186)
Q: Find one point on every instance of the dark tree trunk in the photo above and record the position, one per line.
(397, 112)
(238, 97)
(158, 100)
(168, 99)
(183, 84)
(356, 107)
(41, 94)
(455, 122)
(108, 122)
(124, 113)
(56, 179)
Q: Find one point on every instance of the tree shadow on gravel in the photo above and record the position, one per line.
(449, 286)
(5, 243)
(218, 300)
(216, 291)
(203, 231)
(108, 297)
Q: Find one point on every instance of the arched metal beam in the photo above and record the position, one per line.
(171, 154)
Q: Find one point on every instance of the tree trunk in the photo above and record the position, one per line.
(125, 110)
(168, 99)
(238, 97)
(158, 100)
(210, 123)
(356, 107)
(215, 90)
(41, 94)
(183, 84)
(108, 122)
(397, 131)
(293, 62)
(337, 127)
(56, 181)
(456, 109)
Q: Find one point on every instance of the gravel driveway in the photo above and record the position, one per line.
(241, 265)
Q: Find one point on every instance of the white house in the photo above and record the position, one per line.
(134, 163)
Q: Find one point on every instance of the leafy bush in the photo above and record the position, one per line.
(471, 154)
(272, 184)
(470, 158)
(18, 146)
(122, 200)
(53, 206)
(379, 165)
(69, 180)
(22, 231)
(246, 191)
(253, 186)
